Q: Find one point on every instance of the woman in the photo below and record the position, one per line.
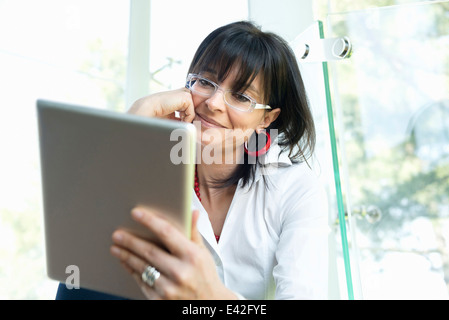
(271, 227)
(259, 226)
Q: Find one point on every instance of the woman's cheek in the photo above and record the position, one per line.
(197, 100)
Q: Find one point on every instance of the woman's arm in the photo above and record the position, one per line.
(164, 105)
(302, 253)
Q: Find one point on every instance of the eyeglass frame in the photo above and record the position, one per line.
(254, 104)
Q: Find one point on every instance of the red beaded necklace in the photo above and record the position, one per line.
(197, 191)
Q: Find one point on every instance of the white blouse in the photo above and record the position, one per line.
(274, 241)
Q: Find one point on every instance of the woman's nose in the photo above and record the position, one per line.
(216, 101)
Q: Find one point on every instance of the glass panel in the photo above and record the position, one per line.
(392, 99)
(308, 50)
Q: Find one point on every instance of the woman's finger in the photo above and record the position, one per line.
(188, 114)
(137, 253)
(169, 235)
(195, 234)
(162, 288)
(136, 266)
(133, 263)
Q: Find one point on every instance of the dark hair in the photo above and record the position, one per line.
(242, 46)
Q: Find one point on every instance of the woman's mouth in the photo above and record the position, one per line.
(207, 122)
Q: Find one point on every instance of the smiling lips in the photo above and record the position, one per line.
(208, 122)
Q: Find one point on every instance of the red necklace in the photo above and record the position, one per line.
(197, 191)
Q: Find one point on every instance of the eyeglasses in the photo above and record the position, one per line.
(235, 100)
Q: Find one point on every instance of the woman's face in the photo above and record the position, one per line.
(222, 127)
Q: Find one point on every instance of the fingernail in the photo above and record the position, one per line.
(137, 214)
(117, 236)
(115, 251)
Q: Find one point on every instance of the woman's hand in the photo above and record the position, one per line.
(187, 270)
(164, 105)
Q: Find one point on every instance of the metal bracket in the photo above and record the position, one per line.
(320, 50)
(370, 213)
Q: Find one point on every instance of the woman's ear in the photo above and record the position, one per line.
(267, 119)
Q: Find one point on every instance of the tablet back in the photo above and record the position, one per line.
(96, 165)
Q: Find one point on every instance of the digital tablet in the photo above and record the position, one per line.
(96, 165)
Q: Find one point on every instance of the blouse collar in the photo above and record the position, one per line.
(270, 162)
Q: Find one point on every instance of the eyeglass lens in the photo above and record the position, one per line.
(206, 87)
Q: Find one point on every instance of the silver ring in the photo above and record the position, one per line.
(150, 275)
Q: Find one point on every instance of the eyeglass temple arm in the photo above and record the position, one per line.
(262, 106)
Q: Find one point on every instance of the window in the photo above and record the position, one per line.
(73, 51)
(175, 36)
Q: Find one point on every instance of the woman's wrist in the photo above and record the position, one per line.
(143, 107)
(165, 104)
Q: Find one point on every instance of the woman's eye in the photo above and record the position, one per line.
(205, 83)
(241, 98)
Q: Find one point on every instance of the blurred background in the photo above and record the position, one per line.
(390, 100)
